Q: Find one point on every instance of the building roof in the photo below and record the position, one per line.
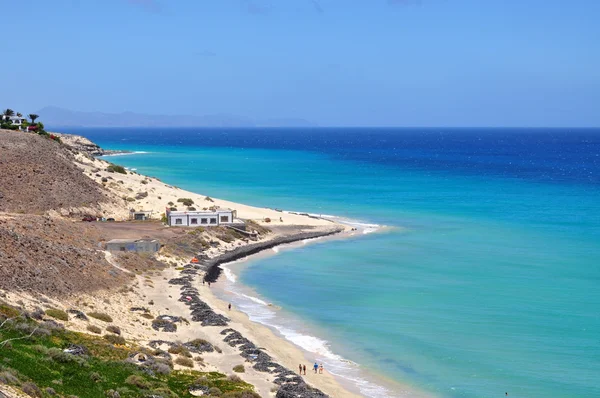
(131, 240)
(199, 212)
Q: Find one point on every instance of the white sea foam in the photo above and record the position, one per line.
(126, 153)
(255, 299)
(276, 249)
(228, 274)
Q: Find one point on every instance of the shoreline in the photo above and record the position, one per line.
(349, 374)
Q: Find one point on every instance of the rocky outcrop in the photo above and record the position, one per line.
(82, 144)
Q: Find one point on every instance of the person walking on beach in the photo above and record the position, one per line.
(321, 368)
(316, 367)
(300, 369)
(229, 306)
(304, 368)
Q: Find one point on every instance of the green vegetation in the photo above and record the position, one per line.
(113, 329)
(101, 316)
(113, 168)
(239, 369)
(113, 339)
(183, 361)
(94, 329)
(186, 201)
(58, 314)
(37, 363)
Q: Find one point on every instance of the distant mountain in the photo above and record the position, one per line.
(60, 117)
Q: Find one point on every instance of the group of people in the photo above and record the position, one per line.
(317, 368)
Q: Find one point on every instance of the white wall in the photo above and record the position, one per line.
(211, 219)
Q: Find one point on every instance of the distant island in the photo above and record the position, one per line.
(60, 117)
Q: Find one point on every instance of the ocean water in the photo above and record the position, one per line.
(488, 281)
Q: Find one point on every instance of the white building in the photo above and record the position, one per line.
(15, 120)
(201, 218)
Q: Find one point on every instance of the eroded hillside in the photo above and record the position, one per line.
(38, 175)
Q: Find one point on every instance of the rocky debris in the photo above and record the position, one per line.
(198, 390)
(74, 349)
(199, 346)
(78, 314)
(38, 175)
(169, 318)
(297, 390)
(200, 311)
(163, 325)
(139, 309)
(157, 343)
(292, 385)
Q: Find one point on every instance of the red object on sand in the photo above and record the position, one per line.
(194, 260)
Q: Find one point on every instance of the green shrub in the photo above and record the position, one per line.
(186, 201)
(113, 168)
(240, 394)
(176, 349)
(138, 381)
(187, 362)
(94, 329)
(101, 316)
(114, 339)
(208, 199)
(130, 199)
(57, 314)
(239, 369)
(234, 378)
(113, 329)
(96, 377)
(32, 390)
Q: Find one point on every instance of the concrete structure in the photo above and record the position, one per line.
(133, 245)
(201, 218)
(140, 215)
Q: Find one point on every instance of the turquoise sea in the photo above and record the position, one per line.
(488, 282)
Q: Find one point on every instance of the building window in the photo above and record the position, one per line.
(204, 221)
(178, 221)
(194, 221)
(213, 220)
(224, 218)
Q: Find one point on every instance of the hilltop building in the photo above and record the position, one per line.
(15, 120)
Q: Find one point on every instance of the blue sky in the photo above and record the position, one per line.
(333, 62)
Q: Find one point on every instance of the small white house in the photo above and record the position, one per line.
(15, 120)
(200, 218)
